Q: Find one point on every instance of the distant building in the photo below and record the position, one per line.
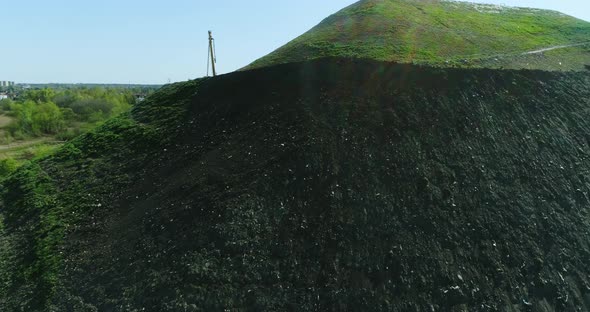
(3, 96)
(6, 83)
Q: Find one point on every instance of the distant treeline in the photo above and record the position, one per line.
(23, 87)
(58, 86)
(64, 112)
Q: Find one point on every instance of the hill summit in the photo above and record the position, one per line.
(444, 33)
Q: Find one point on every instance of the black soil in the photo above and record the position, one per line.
(333, 185)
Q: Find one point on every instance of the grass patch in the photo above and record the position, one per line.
(440, 33)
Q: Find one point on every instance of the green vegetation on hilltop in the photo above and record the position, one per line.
(442, 33)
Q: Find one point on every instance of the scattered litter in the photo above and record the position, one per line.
(526, 302)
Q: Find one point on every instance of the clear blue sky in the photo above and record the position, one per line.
(149, 41)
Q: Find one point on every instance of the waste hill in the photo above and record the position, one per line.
(335, 184)
(444, 34)
(326, 185)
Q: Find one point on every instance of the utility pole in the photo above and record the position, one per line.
(211, 54)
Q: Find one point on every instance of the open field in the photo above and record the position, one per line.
(21, 150)
(4, 121)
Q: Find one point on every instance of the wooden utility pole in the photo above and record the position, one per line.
(212, 54)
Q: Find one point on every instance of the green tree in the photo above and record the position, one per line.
(36, 119)
(47, 119)
(23, 114)
(40, 96)
(5, 104)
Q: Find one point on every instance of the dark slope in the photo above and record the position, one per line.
(331, 185)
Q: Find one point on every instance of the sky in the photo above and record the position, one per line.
(154, 42)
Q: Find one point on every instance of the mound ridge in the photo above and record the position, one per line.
(334, 184)
(444, 34)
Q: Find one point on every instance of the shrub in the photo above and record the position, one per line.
(34, 119)
(5, 105)
(47, 119)
(7, 166)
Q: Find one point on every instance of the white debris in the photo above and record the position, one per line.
(526, 302)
